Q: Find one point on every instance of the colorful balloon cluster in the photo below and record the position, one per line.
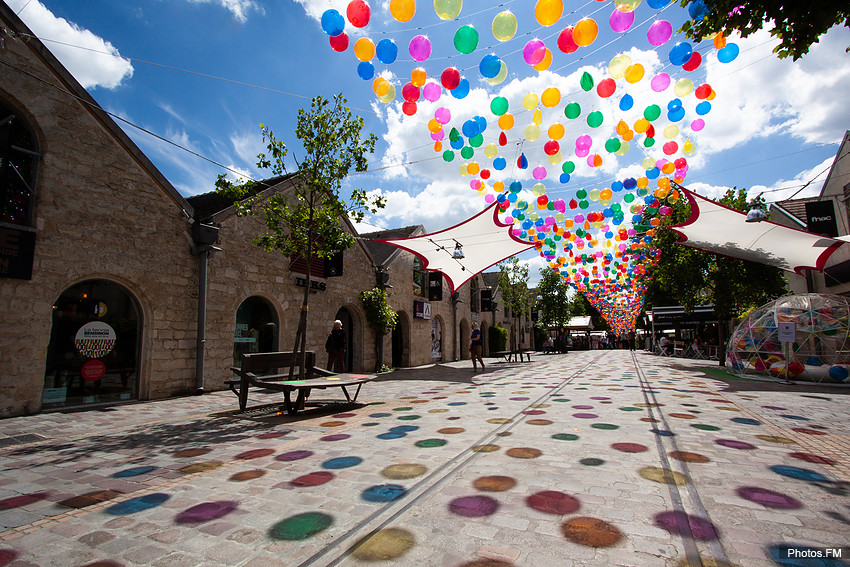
(598, 239)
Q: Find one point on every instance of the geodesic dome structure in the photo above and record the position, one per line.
(821, 348)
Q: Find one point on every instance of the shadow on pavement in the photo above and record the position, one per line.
(443, 372)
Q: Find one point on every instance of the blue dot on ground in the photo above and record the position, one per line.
(663, 432)
(139, 504)
(799, 473)
(383, 493)
(136, 471)
(342, 462)
(380, 414)
(404, 428)
(746, 421)
(392, 435)
(457, 404)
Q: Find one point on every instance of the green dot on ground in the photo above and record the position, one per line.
(705, 427)
(409, 417)
(300, 526)
(608, 426)
(565, 437)
(429, 443)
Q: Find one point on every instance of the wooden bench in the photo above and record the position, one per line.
(516, 355)
(270, 370)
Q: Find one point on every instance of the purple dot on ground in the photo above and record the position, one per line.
(336, 437)
(585, 415)
(293, 455)
(206, 512)
(733, 444)
(582, 407)
(473, 506)
(768, 498)
(599, 398)
(519, 399)
(774, 408)
(342, 415)
(680, 523)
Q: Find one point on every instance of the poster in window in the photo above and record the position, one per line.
(95, 339)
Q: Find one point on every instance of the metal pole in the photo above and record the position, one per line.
(202, 320)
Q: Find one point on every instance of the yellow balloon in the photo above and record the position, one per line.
(448, 9)
(634, 73)
(688, 148)
(506, 121)
(550, 97)
(491, 150)
(545, 63)
(504, 25)
(663, 182)
(538, 189)
(556, 131)
(642, 182)
(627, 5)
(390, 95)
(593, 195)
(532, 132)
(403, 10)
(683, 87)
(618, 66)
(418, 77)
(641, 125)
(624, 149)
(364, 49)
(555, 159)
(462, 170)
(585, 32)
(548, 12)
(537, 117)
(647, 163)
(671, 131)
(529, 101)
(500, 78)
(380, 86)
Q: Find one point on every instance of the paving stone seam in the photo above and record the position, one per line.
(692, 552)
(388, 513)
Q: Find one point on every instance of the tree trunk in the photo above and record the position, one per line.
(300, 347)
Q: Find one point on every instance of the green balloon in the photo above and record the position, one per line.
(652, 112)
(649, 142)
(629, 197)
(551, 205)
(583, 204)
(476, 141)
(572, 110)
(586, 81)
(466, 39)
(448, 156)
(616, 207)
(466, 152)
(581, 194)
(594, 119)
(612, 145)
(568, 167)
(454, 135)
(499, 105)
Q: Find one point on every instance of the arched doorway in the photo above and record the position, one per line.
(436, 339)
(348, 326)
(464, 339)
(400, 354)
(93, 355)
(257, 328)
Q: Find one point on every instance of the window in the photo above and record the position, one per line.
(418, 276)
(18, 161)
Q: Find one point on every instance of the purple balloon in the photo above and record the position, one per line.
(660, 82)
(420, 48)
(534, 52)
(438, 136)
(432, 92)
(621, 21)
(660, 32)
(583, 142)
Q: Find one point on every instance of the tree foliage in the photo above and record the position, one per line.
(796, 23)
(305, 220)
(380, 317)
(689, 277)
(513, 287)
(554, 299)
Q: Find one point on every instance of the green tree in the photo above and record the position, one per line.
(305, 222)
(553, 301)
(513, 287)
(796, 23)
(580, 306)
(380, 317)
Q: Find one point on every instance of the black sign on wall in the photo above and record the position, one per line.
(820, 218)
(435, 286)
(17, 249)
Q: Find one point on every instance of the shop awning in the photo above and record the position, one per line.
(464, 250)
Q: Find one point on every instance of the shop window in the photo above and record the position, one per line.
(256, 328)
(419, 278)
(18, 161)
(93, 355)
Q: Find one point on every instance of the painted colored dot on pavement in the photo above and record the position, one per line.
(385, 545)
(553, 502)
(430, 443)
(475, 506)
(383, 493)
(301, 526)
(591, 532)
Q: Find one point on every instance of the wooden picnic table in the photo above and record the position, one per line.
(516, 355)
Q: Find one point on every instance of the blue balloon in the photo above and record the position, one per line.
(470, 129)
(565, 178)
(627, 102)
(461, 90)
(703, 108)
(499, 163)
(617, 186)
(697, 10)
(838, 373)
(386, 51)
(365, 70)
(728, 53)
(814, 361)
(458, 144)
(657, 3)
(674, 104)
(653, 173)
(676, 114)
(490, 66)
(333, 23)
(629, 183)
(482, 124)
(681, 53)
(516, 187)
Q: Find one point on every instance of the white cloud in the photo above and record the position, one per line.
(315, 8)
(239, 8)
(93, 61)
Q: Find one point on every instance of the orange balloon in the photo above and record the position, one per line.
(585, 32)
(403, 10)
(719, 41)
(641, 125)
(622, 127)
(628, 136)
(438, 147)
(548, 12)
(506, 121)
(364, 49)
(634, 73)
(472, 168)
(547, 61)
(556, 131)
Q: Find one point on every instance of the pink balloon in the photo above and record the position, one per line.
(579, 218)
(660, 82)
(489, 198)
(420, 48)
(443, 115)
(584, 142)
(534, 52)
(431, 92)
(582, 152)
(621, 21)
(697, 124)
(438, 136)
(659, 33)
(539, 172)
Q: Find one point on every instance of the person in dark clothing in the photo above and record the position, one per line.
(335, 346)
(476, 347)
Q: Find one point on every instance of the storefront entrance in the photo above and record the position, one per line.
(256, 328)
(93, 355)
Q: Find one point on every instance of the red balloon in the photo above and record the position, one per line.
(566, 43)
(650, 132)
(410, 92)
(339, 42)
(606, 87)
(485, 174)
(670, 148)
(450, 78)
(573, 204)
(680, 163)
(358, 13)
(551, 147)
(703, 91)
(693, 63)
(503, 139)
(408, 107)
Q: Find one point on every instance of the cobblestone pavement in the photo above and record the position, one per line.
(591, 458)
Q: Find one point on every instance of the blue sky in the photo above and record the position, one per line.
(205, 74)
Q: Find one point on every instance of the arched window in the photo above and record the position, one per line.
(256, 330)
(18, 162)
